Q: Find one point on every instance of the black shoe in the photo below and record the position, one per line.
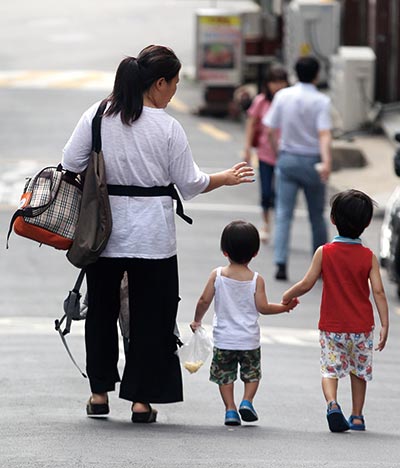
(149, 416)
(281, 272)
(97, 410)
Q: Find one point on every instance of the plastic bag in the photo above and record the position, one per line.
(194, 353)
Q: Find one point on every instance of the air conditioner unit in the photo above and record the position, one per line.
(352, 81)
(311, 27)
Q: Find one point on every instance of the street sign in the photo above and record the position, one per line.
(219, 47)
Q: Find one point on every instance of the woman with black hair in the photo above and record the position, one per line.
(256, 136)
(143, 148)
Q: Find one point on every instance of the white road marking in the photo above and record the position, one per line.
(14, 174)
(222, 207)
(179, 105)
(61, 79)
(44, 326)
(87, 80)
(12, 181)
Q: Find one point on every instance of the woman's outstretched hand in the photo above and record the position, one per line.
(240, 173)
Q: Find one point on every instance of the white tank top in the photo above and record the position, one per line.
(235, 324)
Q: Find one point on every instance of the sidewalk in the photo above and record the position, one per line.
(377, 177)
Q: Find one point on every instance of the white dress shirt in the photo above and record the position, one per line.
(300, 112)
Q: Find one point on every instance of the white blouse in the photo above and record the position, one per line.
(153, 151)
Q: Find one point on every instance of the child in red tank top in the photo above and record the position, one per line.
(346, 316)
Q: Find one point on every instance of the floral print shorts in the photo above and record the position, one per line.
(344, 353)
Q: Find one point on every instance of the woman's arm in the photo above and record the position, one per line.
(272, 135)
(240, 173)
(76, 152)
(249, 134)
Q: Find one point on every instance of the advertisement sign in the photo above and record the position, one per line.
(219, 48)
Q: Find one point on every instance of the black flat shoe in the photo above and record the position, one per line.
(146, 417)
(281, 272)
(97, 410)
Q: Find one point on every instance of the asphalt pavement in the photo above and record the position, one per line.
(43, 422)
(42, 405)
(57, 59)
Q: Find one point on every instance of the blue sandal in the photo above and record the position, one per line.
(232, 418)
(336, 420)
(247, 411)
(357, 427)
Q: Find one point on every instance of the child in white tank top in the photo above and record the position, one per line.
(239, 299)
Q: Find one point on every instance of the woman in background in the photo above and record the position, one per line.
(256, 137)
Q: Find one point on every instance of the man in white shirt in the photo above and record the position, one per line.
(302, 114)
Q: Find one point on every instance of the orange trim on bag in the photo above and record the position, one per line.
(40, 235)
(24, 200)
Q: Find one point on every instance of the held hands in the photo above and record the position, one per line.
(286, 299)
(240, 173)
(291, 304)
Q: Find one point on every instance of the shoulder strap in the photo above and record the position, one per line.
(70, 306)
(255, 280)
(96, 126)
(219, 269)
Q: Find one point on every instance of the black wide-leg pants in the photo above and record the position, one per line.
(152, 371)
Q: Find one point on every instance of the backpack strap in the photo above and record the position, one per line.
(70, 354)
(157, 191)
(74, 295)
(71, 305)
(96, 126)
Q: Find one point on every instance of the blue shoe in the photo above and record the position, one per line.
(247, 411)
(232, 418)
(336, 420)
(357, 427)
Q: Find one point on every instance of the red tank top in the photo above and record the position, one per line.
(345, 304)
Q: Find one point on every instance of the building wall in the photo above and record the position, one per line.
(376, 23)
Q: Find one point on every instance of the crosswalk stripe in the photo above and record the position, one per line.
(214, 132)
(44, 326)
(87, 80)
(179, 105)
(60, 79)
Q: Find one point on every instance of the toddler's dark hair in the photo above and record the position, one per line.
(351, 211)
(241, 241)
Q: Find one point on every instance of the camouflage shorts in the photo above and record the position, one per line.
(225, 362)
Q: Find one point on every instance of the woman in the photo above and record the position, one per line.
(143, 146)
(276, 79)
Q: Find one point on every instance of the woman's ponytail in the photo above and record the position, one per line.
(135, 76)
(127, 95)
